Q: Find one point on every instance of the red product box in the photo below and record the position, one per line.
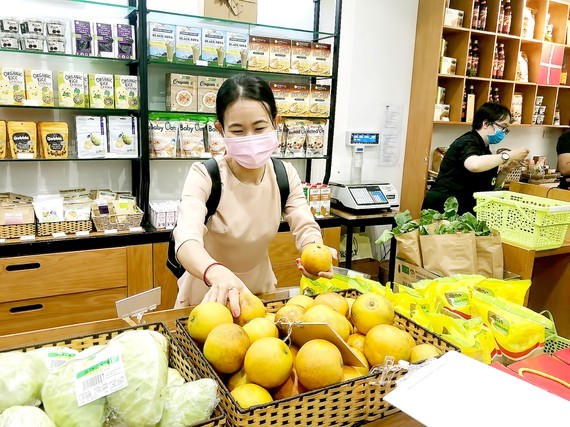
(563, 355)
(551, 60)
(546, 372)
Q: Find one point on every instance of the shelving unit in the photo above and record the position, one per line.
(430, 30)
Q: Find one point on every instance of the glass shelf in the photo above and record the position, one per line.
(191, 113)
(69, 55)
(68, 160)
(199, 159)
(107, 3)
(219, 71)
(110, 111)
(258, 29)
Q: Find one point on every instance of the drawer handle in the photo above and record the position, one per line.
(18, 267)
(25, 308)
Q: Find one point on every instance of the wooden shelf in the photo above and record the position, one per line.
(448, 29)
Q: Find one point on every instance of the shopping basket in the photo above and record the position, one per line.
(528, 221)
(554, 342)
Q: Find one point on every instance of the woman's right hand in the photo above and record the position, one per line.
(519, 154)
(224, 286)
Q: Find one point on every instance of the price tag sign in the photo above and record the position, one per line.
(27, 238)
(202, 63)
(59, 235)
(112, 231)
(2, 240)
(99, 375)
(25, 156)
(136, 229)
(82, 233)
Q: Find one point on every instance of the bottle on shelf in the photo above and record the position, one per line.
(469, 69)
(501, 62)
(495, 70)
(482, 15)
(475, 59)
(564, 75)
(496, 97)
(501, 17)
(507, 17)
(556, 121)
(464, 106)
(470, 109)
(475, 20)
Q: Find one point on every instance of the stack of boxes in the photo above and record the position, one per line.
(164, 213)
(319, 198)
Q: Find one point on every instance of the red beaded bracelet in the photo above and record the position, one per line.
(206, 271)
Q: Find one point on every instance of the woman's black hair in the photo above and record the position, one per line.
(491, 112)
(245, 86)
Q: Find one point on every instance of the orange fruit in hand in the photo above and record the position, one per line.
(316, 257)
(250, 307)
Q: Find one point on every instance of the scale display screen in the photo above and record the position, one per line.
(364, 138)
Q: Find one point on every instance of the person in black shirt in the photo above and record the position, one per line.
(469, 166)
(563, 151)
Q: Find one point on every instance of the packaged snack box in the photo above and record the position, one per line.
(123, 136)
(279, 55)
(104, 43)
(124, 38)
(39, 87)
(300, 56)
(71, 89)
(101, 91)
(161, 41)
(181, 92)
(207, 92)
(213, 46)
(82, 36)
(188, 43)
(321, 59)
(126, 92)
(22, 139)
(91, 134)
(236, 52)
(12, 86)
(258, 57)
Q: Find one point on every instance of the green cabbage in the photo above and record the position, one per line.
(60, 400)
(174, 378)
(21, 378)
(190, 403)
(145, 359)
(18, 416)
(54, 357)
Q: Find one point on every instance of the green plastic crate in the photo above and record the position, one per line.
(528, 221)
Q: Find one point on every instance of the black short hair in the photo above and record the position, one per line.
(245, 86)
(491, 112)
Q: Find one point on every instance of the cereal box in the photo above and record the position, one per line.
(215, 142)
(101, 91)
(2, 139)
(181, 92)
(91, 134)
(298, 99)
(82, 37)
(161, 41)
(39, 87)
(207, 92)
(191, 137)
(104, 43)
(300, 56)
(320, 101)
(12, 86)
(279, 55)
(213, 46)
(188, 43)
(281, 94)
(125, 47)
(71, 89)
(163, 135)
(258, 57)
(126, 92)
(321, 59)
(236, 52)
(123, 136)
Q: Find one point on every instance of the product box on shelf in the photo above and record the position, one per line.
(440, 95)
(101, 91)
(124, 39)
(321, 59)
(453, 17)
(281, 92)
(300, 56)
(316, 138)
(161, 41)
(236, 51)
(441, 112)
(39, 87)
(320, 101)
(299, 99)
(104, 42)
(235, 10)
(12, 86)
(82, 37)
(470, 108)
(91, 134)
(72, 89)
(53, 140)
(551, 60)
(12, 213)
(191, 138)
(123, 136)
(213, 46)
(448, 65)
(188, 43)
(279, 55)
(516, 109)
(258, 56)
(163, 138)
(207, 92)
(164, 213)
(3, 146)
(181, 92)
(126, 92)
(22, 139)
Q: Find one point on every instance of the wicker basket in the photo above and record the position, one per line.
(554, 342)
(48, 228)
(345, 403)
(540, 178)
(117, 222)
(177, 359)
(17, 230)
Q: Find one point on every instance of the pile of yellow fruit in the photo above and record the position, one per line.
(259, 367)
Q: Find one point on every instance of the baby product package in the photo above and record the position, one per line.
(91, 133)
(215, 141)
(191, 137)
(12, 86)
(124, 39)
(161, 41)
(181, 92)
(101, 91)
(39, 87)
(163, 137)
(71, 89)
(188, 43)
(126, 92)
(123, 136)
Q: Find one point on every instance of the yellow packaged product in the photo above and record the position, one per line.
(476, 329)
(22, 138)
(518, 331)
(406, 300)
(511, 290)
(54, 139)
(3, 147)
(453, 295)
(322, 285)
(421, 318)
(370, 285)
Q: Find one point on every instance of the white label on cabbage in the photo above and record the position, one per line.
(98, 376)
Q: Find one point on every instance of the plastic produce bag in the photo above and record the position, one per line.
(190, 403)
(22, 376)
(54, 357)
(19, 416)
(511, 290)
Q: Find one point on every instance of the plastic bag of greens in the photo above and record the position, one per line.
(190, 403)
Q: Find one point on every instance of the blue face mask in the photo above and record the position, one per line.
(497, 137)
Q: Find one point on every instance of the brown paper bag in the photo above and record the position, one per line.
(490, 255)
(408, 247)
(449, 254)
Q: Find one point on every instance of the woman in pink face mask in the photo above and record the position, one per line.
(229, 254)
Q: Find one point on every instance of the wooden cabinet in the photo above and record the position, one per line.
(427, 78)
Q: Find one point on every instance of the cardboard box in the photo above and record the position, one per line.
(441, 112)
(551, 60)
(102, 90)
(39, 87)
(236, 51)
(181, 92)
(300, 56)
(406, 273)
(234, 10)
(440, 95)
(213, 46)
(188, 44)
(258, 56)
(470, 108)
(453, 17)
(207, 92)
(321, 59)
(279, 55)
(516, 109)
(17, 214)
(447, 65)
(320, 101)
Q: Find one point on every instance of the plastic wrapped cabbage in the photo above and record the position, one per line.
(174, 378)
(54, 357)
(145, 360)
(60, 399)
(18, 416)
(22, 376)
(190, 403)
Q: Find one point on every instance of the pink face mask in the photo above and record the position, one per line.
(252, 151)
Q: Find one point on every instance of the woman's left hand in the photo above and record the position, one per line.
(326, 274)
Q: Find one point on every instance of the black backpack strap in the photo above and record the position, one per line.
(282, 180)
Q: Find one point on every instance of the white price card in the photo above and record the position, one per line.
(2, 240)
(99, 375)
(24, 238)
(136, 229)
(112, 231)
(59, 235)
(25, 156)
(202, 63)
(82, 233)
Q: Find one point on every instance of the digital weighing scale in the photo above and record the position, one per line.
(364, 197)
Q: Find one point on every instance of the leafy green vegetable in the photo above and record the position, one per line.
(404, 224)
(18, 416)
(21, 378)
